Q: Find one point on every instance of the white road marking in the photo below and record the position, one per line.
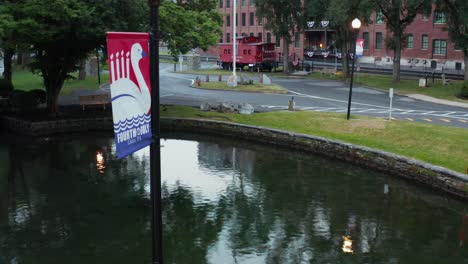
(334, 100)
(166, 95)
(447, 114)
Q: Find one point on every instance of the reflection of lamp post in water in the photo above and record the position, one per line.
(233, 79)
(100, 162)
(356, 24)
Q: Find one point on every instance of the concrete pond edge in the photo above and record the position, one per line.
(430, 175)
(437, 177)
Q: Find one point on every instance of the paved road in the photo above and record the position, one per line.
(313, 95)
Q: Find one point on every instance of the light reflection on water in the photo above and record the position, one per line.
(224, 201)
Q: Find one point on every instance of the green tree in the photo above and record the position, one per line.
(60, 33)
(12, 26)
(283, 18)
(189, 24)
(398, 14)
(456, 12)
(340, 13)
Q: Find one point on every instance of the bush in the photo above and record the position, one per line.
(40, 95)
(464, 90)
(23, 101)
(5, 87)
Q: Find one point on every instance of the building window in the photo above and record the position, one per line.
(252, 19)
(439, 47)
(379, 17)
(278, 41)
(365, 36)
(228, 3)
(243, 19)
(228, 21)
(260, 36)
(424, 41)
(252, 2)
(268, 37)
(228, 37)
(221, 3)
(244, 2)
(237, 20)
(410, 40)
(252, 34)
(378, 40)
(439, 17)
(221, 38)
(297, 40)
(244, 34)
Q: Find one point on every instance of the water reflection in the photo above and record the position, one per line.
(100, 162)
(224, 202)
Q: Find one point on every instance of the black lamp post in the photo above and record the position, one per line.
(356, 24)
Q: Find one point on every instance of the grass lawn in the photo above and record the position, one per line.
(255, 88)
(411, 86)
(438, 145)
(25, 80)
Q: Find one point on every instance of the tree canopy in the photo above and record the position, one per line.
(61, 33)
(189, 24)
(398, 14)
(284, 18)
(340, 13)
(456, 12)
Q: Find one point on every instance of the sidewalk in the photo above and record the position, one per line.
(436, 100)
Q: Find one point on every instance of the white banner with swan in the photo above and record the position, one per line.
(130, 90)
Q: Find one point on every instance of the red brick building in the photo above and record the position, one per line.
(428, 45)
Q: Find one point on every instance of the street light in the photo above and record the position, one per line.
(356, 24)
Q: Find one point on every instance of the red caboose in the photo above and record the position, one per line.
(250, 52)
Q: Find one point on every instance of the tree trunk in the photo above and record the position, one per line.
(7, 62)
(345, 58)
(82, 72)
(396, 60)
(52, 101)
(397, 51)
(466, 67)
(285, 55)
(53, 84)
(19, 58)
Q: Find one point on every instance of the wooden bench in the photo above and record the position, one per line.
(97, 99)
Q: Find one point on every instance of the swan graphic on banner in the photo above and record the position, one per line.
(130, 92)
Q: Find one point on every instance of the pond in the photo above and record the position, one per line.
(69, 200)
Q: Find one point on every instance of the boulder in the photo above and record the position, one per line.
(245, 109)
(225, 108)
(205, 107)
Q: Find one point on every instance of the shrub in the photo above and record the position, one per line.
(464, 90)
(23, 101)
(5, 87)
(40, 95)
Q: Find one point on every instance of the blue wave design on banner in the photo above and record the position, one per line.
(131, 123)
(132, 134)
